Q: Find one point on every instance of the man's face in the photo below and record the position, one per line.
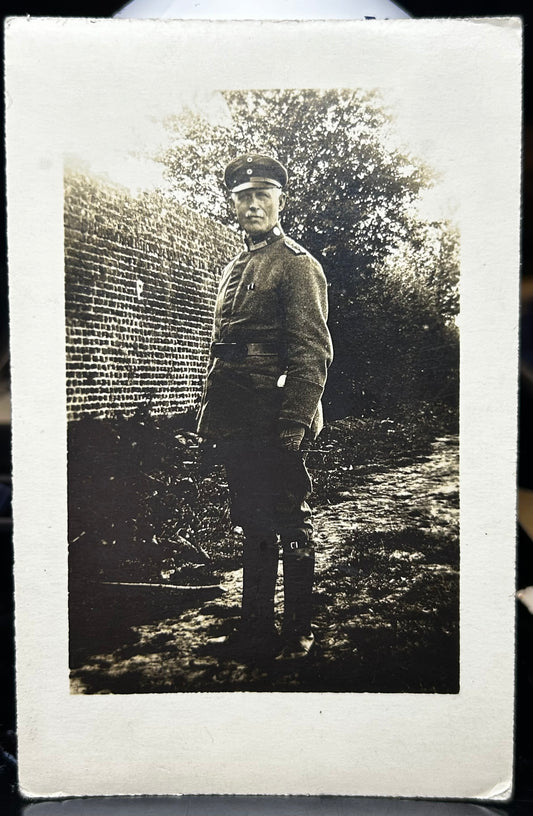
(258, 208)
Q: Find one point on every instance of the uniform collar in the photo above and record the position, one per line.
(264, 240)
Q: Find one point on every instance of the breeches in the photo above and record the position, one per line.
(269, 487)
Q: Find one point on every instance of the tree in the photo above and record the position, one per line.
(351, 203)
(416, 295)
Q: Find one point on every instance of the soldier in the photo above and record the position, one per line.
(269, 358)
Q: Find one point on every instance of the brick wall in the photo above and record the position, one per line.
(141, 274)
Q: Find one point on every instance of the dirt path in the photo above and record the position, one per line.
(386, 585)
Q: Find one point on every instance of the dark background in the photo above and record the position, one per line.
(523, 799)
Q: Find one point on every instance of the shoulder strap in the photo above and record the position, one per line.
(293, 246)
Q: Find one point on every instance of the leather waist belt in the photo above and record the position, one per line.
(235, 352)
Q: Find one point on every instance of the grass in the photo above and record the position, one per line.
(144, 506)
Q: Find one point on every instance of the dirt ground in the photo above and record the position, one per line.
(386, 601)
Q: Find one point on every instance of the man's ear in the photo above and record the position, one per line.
(231, 203)
(282, 201)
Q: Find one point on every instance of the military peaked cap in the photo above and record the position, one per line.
(253, 170)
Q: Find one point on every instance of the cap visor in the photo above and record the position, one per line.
(255, 183)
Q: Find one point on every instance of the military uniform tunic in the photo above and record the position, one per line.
(272, 303)
(277, 304)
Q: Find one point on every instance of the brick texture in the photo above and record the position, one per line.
(141, 274)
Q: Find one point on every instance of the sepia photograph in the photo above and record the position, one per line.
(329, 380)
(263, 293)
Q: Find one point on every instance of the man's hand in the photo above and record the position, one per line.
(291, 437)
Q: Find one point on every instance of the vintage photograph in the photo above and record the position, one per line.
(264, 309)
(262, 351)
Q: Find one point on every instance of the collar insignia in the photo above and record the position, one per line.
(274, 234)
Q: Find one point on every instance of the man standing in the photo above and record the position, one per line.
(269, 358)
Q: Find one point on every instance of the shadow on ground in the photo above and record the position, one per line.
(143, 612)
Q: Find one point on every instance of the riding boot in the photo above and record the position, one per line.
(298, 575)
(260, 570)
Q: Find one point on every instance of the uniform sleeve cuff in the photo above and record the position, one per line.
(300, 401)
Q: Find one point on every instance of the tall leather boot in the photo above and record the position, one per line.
(256, 636)
(260, 571)
(298, 576)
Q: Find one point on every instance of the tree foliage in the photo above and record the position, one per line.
(352, 194)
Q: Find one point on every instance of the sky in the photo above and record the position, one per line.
(130, 128)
